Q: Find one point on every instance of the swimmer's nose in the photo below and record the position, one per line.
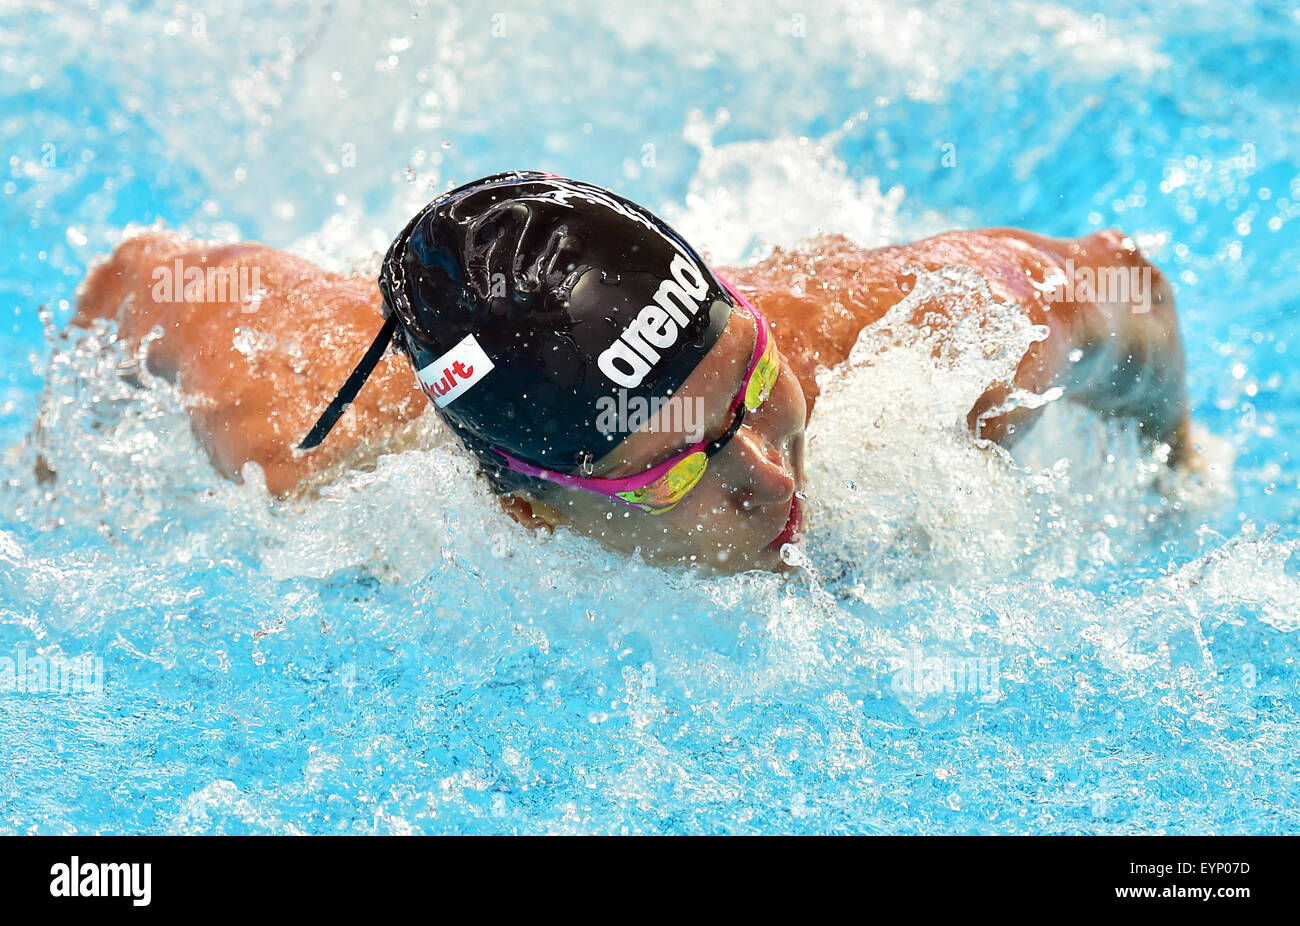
(760, 471)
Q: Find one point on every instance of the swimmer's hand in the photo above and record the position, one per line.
(1204, 459)
(1184, 452)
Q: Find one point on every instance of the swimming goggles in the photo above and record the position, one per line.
(660, 488)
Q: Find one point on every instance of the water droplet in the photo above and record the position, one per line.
(791, 555)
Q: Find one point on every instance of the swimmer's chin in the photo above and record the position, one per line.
(724, 562)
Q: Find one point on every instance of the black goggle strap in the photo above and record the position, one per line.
(717, 445)
(349, 391)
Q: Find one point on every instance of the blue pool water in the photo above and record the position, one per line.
(398, 657)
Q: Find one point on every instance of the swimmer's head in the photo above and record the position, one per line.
(603, 376)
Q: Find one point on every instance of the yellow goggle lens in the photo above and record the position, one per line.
(661, 495)
(764, 378)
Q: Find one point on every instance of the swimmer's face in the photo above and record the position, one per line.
(729, 521)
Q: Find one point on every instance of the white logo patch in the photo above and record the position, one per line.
(455, 372)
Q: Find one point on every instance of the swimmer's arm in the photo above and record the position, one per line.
(256, 376)
(117, 290)
(1120, 357)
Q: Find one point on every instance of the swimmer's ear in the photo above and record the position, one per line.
(530, 512)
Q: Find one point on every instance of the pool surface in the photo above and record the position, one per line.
(1070, 641)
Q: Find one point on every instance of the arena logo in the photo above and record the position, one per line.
(105, 879)
(1118, 285)
(657, 326)
(624, 414)
(178, 283)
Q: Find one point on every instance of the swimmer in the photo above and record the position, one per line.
(541, 317)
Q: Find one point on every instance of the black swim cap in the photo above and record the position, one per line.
(524, 298)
